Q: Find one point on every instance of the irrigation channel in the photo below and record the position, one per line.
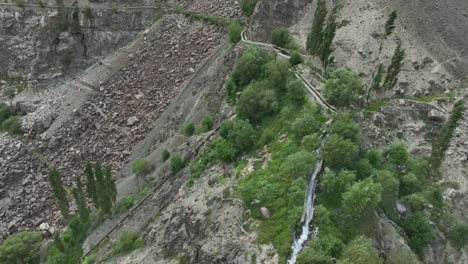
(300, 239)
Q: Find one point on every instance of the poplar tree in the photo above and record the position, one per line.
(100, 184)
(80, 201)
(394, 68)
(377, 76)
(91, 184)
(441, 144)
(316, 35)
(390, 24)
(110, 184)
(59, 192)
(328, 34)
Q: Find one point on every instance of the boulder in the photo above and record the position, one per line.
(265, 212)
(401, 208)
(131, 121)
(436, 115)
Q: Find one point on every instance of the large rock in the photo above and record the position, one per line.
(436, 115)
(265, 212)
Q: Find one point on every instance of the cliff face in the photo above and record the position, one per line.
(34, 48)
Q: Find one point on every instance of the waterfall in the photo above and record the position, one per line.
(309, 213)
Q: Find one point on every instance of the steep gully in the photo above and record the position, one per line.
(308, 215)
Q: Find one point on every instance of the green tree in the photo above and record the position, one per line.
(280, 37)
(361, 198)
(248, 7)
(345, 126)
(110, 182)
(298, 165)
(306, 124)
(249, 67)
(390, 24)
(394, 68)
(441, 144)
(361, 251)
(80, 200)
(23, 247)
(206, 124)
(390, 185)
(240, 134)
(91, 188)
(315, 37)
(377, 76)
(256, 102)
(60, 194)
(397, 154)
(295, 58)
(234, 31)
(339, 153)
(277, 75)
(62, 23)
(296, 92)
(343, 88)
(331, 182)
(328, 35)
(311, 142)
(311, 255)
(419, 231)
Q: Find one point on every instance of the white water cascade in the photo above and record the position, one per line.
(309, 213)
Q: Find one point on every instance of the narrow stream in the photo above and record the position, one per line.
(309, 213)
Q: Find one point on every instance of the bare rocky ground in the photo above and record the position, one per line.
(225, 8)
(113, 118)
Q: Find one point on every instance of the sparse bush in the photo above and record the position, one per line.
(189, 129)
(11, 125)
(459, 235)
(23, 247)
(126, 243)
(141, 167)
(165, 154)
(126, 203)
(248, 7)
(343, 88)
(295, 58)
(234, 31)
(280, 37)
(206, 124)
(177, 163)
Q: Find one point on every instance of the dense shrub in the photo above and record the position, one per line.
(339, 152)
(361, 251)
(125, 203)
(298, 165)
(240, 134)
(312, 255)
(23, 247)
(234, 31)
(419, 231)
(248, 7)
(126, 243)
(5, 112)
(397, 154)
(142, 167)
(189, 129)
(206, 124)
(346, 127)
(337, 184)
(390, 185)
(280, 37)
(249, 67)
(459, 235)
(165, 154)
(296, 92)
(295, 58)
(343, 88)
(256, 102)
(177, 163)
(277, 74)
(223, 150)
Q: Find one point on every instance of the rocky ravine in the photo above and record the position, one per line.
(116, 116)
